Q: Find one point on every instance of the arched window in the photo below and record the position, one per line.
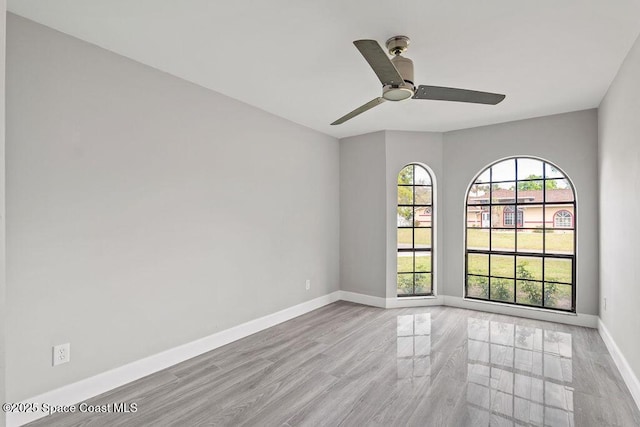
(563, 219)
(520, 235)
(509, 218)
(415, 232)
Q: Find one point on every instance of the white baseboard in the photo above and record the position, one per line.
(627, 373)
(586, 320)
(414, 302)
(82, 390)
(390, 302)
(363, 299)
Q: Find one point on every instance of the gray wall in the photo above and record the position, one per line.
(567, 140)
(3, 9)
(619, 128)
(362, 214)
(369, 167)
(144, 212)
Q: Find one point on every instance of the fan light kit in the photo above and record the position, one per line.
(396, 76)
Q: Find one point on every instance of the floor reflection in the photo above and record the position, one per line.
(414, 346)
(518, 374)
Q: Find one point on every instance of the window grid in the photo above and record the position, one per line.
(418, 281)
(515, 205)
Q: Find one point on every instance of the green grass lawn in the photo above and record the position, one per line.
(405, 263)
(528, 241)
(555, 270)
(422, 237)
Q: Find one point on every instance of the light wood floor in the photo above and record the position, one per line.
(352, 365)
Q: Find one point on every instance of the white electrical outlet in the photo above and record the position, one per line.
(308, 284)
(61, 354)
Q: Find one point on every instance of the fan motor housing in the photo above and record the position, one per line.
(404, 67)
(407, 90)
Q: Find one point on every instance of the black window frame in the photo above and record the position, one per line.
(516, 203)
(413, 249)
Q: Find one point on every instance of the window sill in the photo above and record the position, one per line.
(524, 307)
(417, 297)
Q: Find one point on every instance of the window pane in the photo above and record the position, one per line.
(422, 237)
(496, 217)
(406, 175)
(478, 193)
(529, 168)
(405, 284)
(529, 292)
(478, 216)
(478, 287)
(530, 192)
(504, 192)
(530, 240)
(478, 264)
(405, 238)
(405, 195)
(503, 240)
(421, 176)
(422, 216)
(502, 265)
(423, 195)
(512, 216)
(504, 171)
(562, 218)
(559, 241)
(557, 296)
(501, 289)
(405, 216)
(423, 261)
(483, 177)
(477, 239)
(551, 172)
(558, 190)
(405, 262)
(423, 283)
(531, 215)
(528, 268)
(558, 270)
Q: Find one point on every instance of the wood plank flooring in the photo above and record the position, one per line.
(352, 365)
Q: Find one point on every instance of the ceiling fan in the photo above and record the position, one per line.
(396, 76)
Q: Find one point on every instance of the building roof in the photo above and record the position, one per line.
(528, 196)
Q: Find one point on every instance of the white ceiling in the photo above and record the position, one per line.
(295, 58)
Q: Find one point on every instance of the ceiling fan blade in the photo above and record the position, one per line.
(369, 105)
(380, 62)
(460, 95)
